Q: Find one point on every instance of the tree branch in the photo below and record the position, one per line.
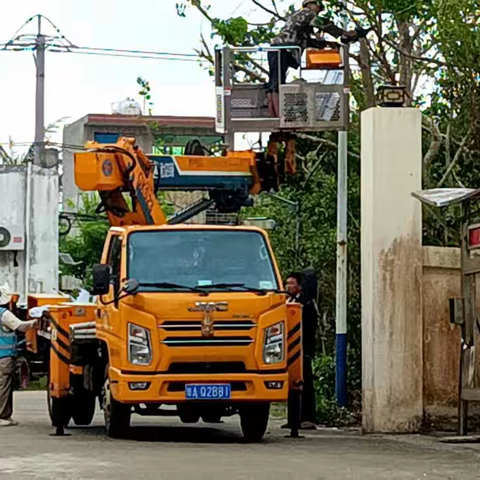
(455, 160)
(4, 155)
(209, 56)
(325, 141)
(414, 57)
(415, 81)
(454, 175)
(205, 46)
(383, 64)
(196, 3)
(435, 145)
(253, 76)
(448, 153)
(405, 63)
(271, 12)
(274, 3)
(366, 67)
(238, 68)
(256, 64)
(311, 172)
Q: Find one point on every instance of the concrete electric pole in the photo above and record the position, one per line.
(40, 95)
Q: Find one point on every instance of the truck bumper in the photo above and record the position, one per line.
(170, 389)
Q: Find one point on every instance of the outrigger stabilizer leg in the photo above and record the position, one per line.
(294, 412)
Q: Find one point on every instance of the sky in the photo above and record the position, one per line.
(77, 85)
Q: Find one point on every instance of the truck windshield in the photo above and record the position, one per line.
(201, 258)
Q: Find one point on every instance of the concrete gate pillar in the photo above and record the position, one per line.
(391, 270)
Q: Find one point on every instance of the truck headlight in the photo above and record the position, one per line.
(274, 344)
(139, 346)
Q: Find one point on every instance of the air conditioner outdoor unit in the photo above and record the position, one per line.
(12, 238)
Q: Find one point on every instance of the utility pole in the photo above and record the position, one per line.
(40, 94)
(342, 253)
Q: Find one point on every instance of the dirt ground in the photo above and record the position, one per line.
(166, 449)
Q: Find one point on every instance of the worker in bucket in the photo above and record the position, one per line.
(299, 31)
(303, 29)
(9, 326)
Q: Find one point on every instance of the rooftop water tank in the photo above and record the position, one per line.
(126, 107)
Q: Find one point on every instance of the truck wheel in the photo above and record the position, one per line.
(59, 410)
(212, 417)
(83, 410)
(188, 414)
(117, 415)
(254, 421)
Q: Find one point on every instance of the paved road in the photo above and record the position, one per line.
(166, 449)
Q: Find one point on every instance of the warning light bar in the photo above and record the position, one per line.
(474, 237)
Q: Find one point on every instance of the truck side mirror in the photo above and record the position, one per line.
(101, 280)
(131, 286)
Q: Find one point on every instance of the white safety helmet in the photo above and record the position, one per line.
(5, 295)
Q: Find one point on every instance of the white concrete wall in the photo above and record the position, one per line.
(44, 231)
(42, 244)
(74, 135)
(12, 213)
(391, 270)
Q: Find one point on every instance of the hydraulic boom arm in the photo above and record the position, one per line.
(113, 170)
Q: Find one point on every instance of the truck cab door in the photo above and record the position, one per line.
(110, 313)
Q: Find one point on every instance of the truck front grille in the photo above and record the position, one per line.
(207, 342)
(196, 325)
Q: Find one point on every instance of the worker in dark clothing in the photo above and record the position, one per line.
(309, 326)
(299, 31)
(303, 29)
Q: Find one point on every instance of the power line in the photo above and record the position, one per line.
(28, 42)
(15, 35)
(62, 36)
(140, 52)
(119, 55)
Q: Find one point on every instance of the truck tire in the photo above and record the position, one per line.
(83, 411)
(117, 415)
(59, 410)
(254, 421)
(188, 414)
(212, 417)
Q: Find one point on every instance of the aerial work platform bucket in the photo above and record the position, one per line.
(306, 104)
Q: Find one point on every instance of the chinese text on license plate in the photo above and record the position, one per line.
(208, 392)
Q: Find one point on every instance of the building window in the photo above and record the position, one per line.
(106, 137)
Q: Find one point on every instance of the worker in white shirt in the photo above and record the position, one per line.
(9, 326)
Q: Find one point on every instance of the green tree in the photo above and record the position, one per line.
(85, 240)
(9, 155)
(145, 92)
(431, 47)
